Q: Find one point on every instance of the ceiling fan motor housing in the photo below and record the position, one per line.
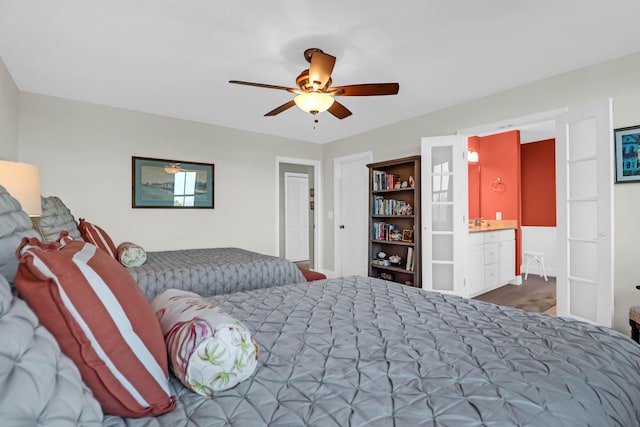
(306, 85)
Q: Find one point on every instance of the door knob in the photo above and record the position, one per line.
(341, 225)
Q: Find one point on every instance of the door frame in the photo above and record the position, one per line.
(317, 229)
(288, 175)
(367, 157)
(514, 123)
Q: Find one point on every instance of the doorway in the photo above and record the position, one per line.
(584, 162)
(531, 233)
(311, 170)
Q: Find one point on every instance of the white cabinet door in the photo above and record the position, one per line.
(475, 269)
(507, 260)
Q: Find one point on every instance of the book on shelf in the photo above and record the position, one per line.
(384, 181)
(384, 231)
(409, 265)
(382, 206)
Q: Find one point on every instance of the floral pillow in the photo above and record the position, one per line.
(131, 255)
(209, 351)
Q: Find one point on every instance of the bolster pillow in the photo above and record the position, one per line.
(209, 351)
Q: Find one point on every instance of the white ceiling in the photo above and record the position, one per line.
(175, 57)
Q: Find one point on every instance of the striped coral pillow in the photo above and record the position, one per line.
(97, 236)
(101, 320)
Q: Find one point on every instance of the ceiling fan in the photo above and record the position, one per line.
(314, 91)
(173, 168)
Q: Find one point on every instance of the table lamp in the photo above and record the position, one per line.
(22, 181)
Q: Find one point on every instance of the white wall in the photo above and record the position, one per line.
(541, 239)
(617, 79)
(84, 154)
(8, 115)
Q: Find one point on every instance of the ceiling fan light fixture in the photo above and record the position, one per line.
(314, 102)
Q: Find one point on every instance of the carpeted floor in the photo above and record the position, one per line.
(533, 295)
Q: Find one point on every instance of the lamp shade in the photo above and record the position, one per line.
(314, 102)
(22, 181)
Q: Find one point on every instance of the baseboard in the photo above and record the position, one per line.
(516, 281)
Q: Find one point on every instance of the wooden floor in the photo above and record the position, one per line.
(535, 294)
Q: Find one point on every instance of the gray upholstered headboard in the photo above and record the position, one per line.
(55, 218)
(14, 225)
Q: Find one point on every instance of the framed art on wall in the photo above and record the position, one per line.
(626, 141)
(161, 183)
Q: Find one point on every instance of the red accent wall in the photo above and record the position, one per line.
(538, 164)
(499, 157)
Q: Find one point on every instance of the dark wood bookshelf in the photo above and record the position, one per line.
(396, 171)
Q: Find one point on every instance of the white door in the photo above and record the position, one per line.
(444, 213)
(296, 216)
(584, 181)
(351, 201)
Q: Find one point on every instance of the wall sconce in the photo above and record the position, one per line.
(472, 155)
(22, 181)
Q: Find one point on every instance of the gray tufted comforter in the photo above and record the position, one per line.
(213, 271)
(364, 352)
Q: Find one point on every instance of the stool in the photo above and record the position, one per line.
(531, 256)
(634, 321)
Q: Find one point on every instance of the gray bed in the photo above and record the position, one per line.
(213, 271)
(209, 271)
(364, 352)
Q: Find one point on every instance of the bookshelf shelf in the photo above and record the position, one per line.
(392, 242)
(394, 207)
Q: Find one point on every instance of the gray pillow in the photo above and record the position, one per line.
(40, 385)
(14, 225)
(55, 218)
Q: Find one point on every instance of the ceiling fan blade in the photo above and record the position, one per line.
(289, 89)
(367, 89)
(321, 68)
(281, 108)
(339, 110)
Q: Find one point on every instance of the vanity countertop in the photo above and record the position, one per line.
(493, 225)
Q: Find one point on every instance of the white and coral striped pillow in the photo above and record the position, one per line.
(101, 320)
(97, 236)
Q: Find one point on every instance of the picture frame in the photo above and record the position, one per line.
(175, 184)
(407, 235)
(626, 142)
